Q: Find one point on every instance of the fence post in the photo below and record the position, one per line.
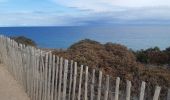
(168, 96)
(53, 77)
(74, 80)
(46, 77)
(32, 72)
(80, 80)
(142, 91)
(92, 85)
(107, 88)
(99, 85)
(117, 88)
(86, 84)
(41, 76)
(157, 92)
(65, 79)
(28, 71)
(60, 78)
(128, 90)
(56, 79)
(49, 75)
(70, 83)
(37, 75)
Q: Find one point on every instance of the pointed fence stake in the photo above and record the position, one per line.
(128, 90)
(157, 92)
(142, 91)
(117, 88)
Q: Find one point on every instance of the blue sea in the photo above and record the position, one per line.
(133, 36)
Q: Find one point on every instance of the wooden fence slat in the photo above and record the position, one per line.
(80, 80)
(92, 85)
(53, 78)
(56, 79)
(74, 81)
(37, 75)
(45, 76)
(128, 90)
(49, 76)
(65, 79)
(32, 73)
(99, 86)
(168, 95)
(23, 68)
(117, 88)
(157, 92)
(107, 88)
(60, 78)
(27, 71)
(142, 91)
(70, 82)
(41, 76)
(86, 84)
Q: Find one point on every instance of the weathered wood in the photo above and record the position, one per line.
(41, 76)
(117, 88)
(92, 85)
(53, 78)
(128, 90)
(157, 92)
(80, 80)
(65, 79)
(24, 67)
(37, 76)
(142, 91)
(60, 79)
(45, 76)
(86, 84)
(56, 79)
(27, 71)
(70, 83)
(32, 73)
(107, 88)
(99, 85)
(49, 76)
(74, 81)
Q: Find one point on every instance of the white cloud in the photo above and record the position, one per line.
(34, 19)
(111, 5)
(93, 12)
(122, 10)
(128, 16)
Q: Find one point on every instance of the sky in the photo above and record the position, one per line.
(83, 12)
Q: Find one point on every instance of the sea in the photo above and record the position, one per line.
(135, 37)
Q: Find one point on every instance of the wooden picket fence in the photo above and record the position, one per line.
(48, 77)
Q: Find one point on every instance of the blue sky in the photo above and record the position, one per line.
(83, 12)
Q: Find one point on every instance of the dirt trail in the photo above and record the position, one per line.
(9, 88)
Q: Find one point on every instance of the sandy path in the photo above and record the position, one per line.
(9, 88)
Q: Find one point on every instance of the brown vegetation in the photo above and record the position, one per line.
(116, 60)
